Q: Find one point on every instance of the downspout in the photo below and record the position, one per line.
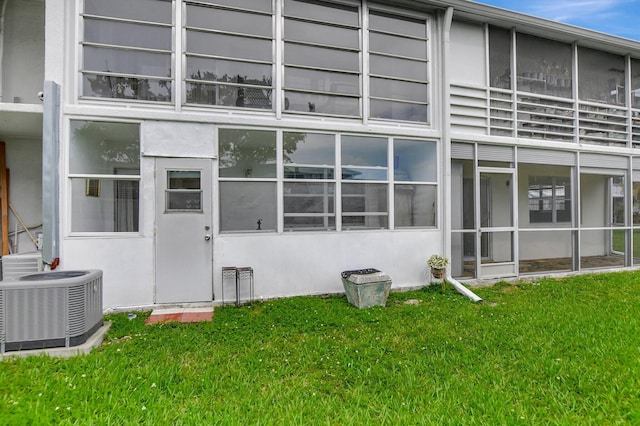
(50, 174)
(445, 121)
(446, 150)
(463, 290)
(3, 11)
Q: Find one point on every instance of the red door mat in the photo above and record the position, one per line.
(180, 315)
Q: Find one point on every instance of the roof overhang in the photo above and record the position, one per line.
(481, 13)
(20, 121)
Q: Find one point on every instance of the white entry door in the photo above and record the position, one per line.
(183, 230)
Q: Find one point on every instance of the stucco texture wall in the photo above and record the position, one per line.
(23, 51)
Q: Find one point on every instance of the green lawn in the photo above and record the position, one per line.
(618, 241)
(550, 352)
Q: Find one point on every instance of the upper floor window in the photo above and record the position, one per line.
(398, 67)
(635, 83)
(104, 170)
(544, 66)
(126, 49)
(322, 58)
(300, 56)
(601, 77)
(500, 57)
(229, 53)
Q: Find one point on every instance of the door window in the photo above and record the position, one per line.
(184, 192)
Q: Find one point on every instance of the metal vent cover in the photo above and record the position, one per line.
(15, 265)
(76, 309)
(39, 318)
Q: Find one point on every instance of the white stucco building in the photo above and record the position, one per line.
(305, 138)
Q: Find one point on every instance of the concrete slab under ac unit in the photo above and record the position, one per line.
(92, 342)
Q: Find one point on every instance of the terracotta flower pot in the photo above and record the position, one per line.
(438, 273)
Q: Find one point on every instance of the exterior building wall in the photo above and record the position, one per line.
(127, 265)
(284, 264)
(23, 51)
(288, 263)
(127, 261)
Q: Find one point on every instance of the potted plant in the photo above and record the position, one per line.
(438, 265)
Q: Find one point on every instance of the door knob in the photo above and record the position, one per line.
(207, 237)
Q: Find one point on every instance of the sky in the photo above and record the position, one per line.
(617, 17)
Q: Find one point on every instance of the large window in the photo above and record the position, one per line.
(318, 192)
(229, 53)
(544, 66)
(126, 49)
(415, 176)
(309, 181)
(549, 199)
(601, 77)
(104, 172)
(398, 67)
(247, 171)
(322, 58)
(364, 182)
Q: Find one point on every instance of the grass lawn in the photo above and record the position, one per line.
(618, 241)
(550, 352)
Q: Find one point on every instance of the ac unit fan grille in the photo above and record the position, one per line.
(76, 309)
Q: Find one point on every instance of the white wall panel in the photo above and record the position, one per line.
(310, 263)
(127, 265)
(173, 139)
(468, 59)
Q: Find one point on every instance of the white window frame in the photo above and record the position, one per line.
(111, 177)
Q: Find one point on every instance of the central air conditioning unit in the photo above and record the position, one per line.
(16, 265)
(50, 309)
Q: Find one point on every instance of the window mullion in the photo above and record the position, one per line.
(554, 213)
(278, 65)
(338, 173)
(280, 183)
(364, 57)
(178, 54)
(390, 184)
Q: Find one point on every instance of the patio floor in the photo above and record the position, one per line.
(558, 264)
